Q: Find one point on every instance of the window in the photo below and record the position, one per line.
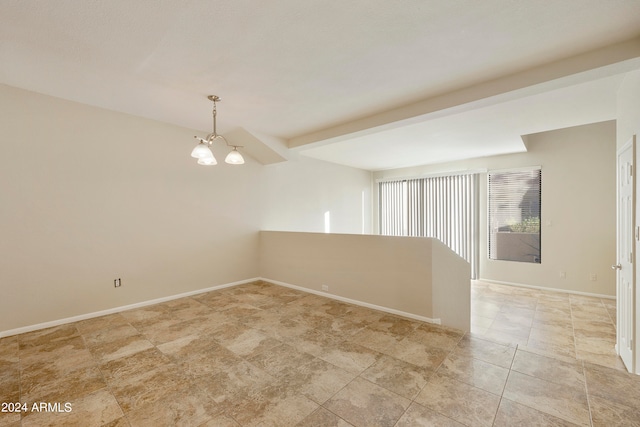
(444, 207)
(514, 215)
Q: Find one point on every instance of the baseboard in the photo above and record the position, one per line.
(564, 291)
(119, 309)
(59, 322)
(355, 302)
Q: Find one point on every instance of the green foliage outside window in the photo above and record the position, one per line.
(528, 225)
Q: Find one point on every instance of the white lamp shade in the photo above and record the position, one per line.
(201, 150)
(208, 160)
(234, 157)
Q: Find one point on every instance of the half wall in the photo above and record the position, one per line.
(414, 276)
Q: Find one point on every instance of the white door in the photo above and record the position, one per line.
(625, 245)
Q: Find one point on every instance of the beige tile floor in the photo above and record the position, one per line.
(264, 355)
(555, 323)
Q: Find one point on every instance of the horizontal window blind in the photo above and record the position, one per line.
(514, 215)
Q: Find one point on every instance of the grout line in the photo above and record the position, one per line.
(535, 310)
(435, 371)
(505, 384)
(586, 390)
(97, 364)
(573, 331)
(613, 322)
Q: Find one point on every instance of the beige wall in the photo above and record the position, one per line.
(628, 122)
(578, 208)
(451, 287)
(298, 194)
(387, 271)
(395, 273)
(90, 195)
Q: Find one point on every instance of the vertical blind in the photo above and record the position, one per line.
(514, 214)
(393, 208)
(444, 207)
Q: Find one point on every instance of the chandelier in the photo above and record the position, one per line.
(203, 152)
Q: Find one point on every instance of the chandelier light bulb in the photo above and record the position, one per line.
(234, 157)
(207, 161)
(201, 150)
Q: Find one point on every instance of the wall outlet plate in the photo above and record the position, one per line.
(325, 288)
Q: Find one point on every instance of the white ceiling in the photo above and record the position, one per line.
(291, 68)
(491, 130)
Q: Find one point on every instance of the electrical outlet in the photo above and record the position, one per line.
(593, 277)
(563, 274)
(325, 288)
(117, 282)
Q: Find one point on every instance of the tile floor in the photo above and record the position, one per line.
(264, 355)
(555, 323)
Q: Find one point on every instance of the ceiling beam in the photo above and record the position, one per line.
(610, 60)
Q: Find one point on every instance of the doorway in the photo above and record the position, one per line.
(625, 253)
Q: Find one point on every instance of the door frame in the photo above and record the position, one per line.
(636, 294)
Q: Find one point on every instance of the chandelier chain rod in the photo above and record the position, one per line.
(215, 113)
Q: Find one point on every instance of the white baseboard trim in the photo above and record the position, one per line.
(564, 291)
(355, 302)
(59, 322)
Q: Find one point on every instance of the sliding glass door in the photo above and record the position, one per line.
(444, 207)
